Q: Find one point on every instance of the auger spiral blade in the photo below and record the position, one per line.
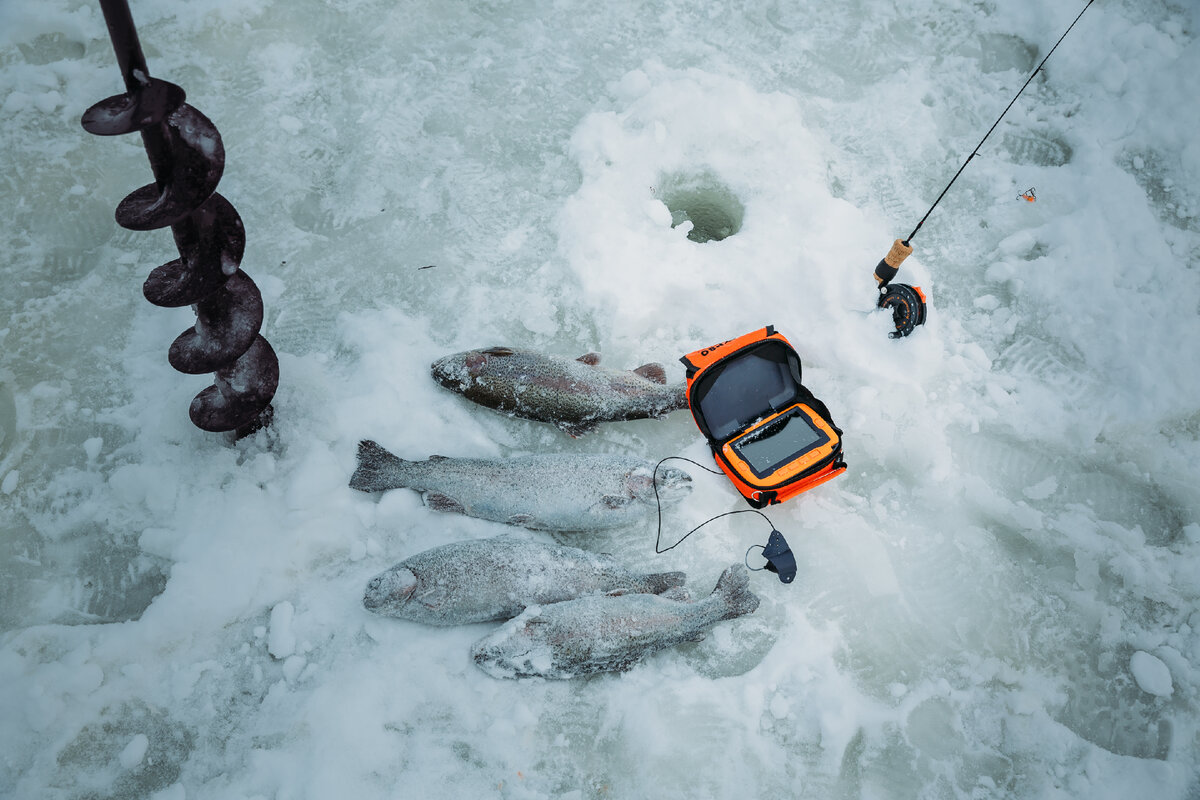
(227, 321)
(130, 112)
(194, 164)
(240, 392)
(211, 243)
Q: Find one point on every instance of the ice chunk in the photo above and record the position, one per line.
(1042, 489)
(1151, 674)
(281, 642)
(135, 751)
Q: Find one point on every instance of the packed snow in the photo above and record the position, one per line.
(999, 598)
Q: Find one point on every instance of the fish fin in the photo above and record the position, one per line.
(679, 594)
(431, 596)
(440, 502)
(524, 520)
(734, 589)
(696, 637)
(624, 590)
(653, 372)
(613, 502)
(376, 471)
(577, 429)
(498, 351)
(659, 582)
(591, 359)
(439, 458)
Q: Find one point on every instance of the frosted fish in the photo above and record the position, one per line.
(553, 492)
(607, 633)
(496, 579)
(575, 395)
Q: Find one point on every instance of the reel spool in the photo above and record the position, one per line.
(907, 304)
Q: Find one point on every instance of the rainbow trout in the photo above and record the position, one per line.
(575, 395)
(607, 633)
(551, 492)
(484, 580)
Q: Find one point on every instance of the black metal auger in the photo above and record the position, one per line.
(188, 159)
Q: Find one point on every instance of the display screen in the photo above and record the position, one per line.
(779, 443)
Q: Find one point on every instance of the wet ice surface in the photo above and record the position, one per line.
(998, 599)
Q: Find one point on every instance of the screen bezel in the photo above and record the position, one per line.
(779, 421)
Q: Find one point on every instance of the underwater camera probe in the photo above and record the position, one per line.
(907, 303)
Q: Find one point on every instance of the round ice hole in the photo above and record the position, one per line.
(714, 210)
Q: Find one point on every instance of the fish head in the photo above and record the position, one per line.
(389, 592)
(673, 484)
(460, 371)
(516, 649)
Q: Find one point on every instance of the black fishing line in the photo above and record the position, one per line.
(975, 152)
(658, 537)
(778, 555)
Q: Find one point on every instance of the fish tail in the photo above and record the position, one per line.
(377, 468)
(660, 582)
(734, 590)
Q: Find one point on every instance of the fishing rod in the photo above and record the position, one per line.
(907, 303)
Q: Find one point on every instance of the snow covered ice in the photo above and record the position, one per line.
(997, 600)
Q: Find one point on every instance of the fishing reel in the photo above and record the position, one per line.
(907, 304)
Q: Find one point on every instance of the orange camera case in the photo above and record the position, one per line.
(788, 481)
